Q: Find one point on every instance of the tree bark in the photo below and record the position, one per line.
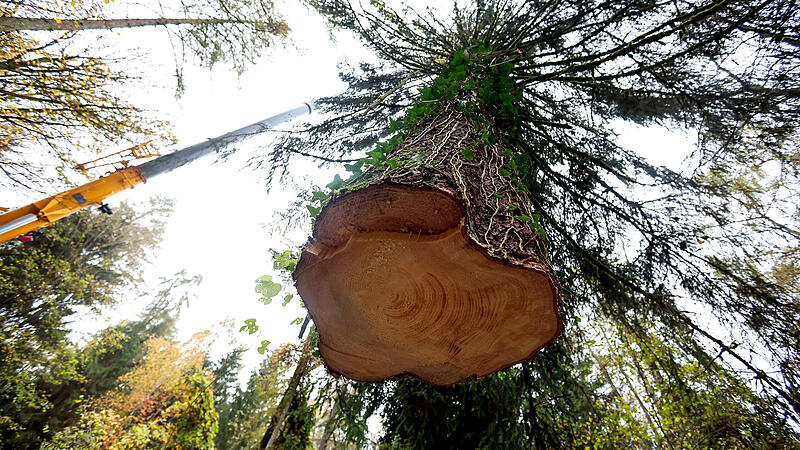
(274, 429)
(42, 24)
(330, 425)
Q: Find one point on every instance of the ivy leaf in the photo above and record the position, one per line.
(503, 172)
(371, 161)
(354, 168)
(267, 288)
(313, 211)
(287, 299)
(377, 155)
(467, 154)
(319, 196)
(250, 326)
(263, 348)
(525, 219)
(336, 183)
(395, 125)
(284, 261)
(393, 163)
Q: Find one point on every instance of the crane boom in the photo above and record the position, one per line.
(44, 212)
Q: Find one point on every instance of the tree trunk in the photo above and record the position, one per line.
(432, 266)
(277, 419)
(41, 24)
(330, 425)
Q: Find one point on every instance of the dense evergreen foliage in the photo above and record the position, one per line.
(680, 331)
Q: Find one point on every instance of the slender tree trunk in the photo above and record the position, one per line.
(273, 431)
(41, 24)
(330, 424)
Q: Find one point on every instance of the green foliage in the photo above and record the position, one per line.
(263, 347)
(75, 263)
(287, 261)
(249, 326)
(664, 255)
(296, 430)
(181, 415)
(267, 288)
(244, 413)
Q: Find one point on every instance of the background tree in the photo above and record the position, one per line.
(112, 353)
(164, 401)
(51, 99)
(75, 264)
(725, 70)
(57, 92)
(226, 31)
(244, 416)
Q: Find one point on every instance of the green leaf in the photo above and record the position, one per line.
(287, 299)
(467, 154)
(319, 196)
(263, 348)
(377, 155)
(267, 288)
(354, 168)
(250, 326)
(313, 211)
(503, 172)
(393, 163)
(525, 219)
(336, 183)
(284, 261)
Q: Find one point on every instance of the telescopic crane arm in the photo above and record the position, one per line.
(45, 212)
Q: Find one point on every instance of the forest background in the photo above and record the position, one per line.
(43, 395)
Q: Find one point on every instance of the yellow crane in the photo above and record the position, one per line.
(46, 211)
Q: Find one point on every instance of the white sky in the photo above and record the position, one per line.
(217, 228)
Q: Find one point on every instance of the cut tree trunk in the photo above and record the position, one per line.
(430, 268)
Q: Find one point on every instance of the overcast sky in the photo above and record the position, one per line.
(218, 229)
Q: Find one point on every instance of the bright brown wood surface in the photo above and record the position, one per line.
(395, 286)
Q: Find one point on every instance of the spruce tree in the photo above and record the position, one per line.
(705, 322)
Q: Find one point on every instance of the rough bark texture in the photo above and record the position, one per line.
(430, 268)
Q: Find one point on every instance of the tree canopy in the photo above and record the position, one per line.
(677, 261)
(59, 87)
